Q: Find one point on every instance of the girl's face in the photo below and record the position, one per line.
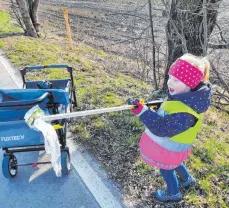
(175, 86)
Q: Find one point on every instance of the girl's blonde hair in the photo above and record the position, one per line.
(200, 63)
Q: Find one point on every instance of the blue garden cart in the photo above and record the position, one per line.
(53, 97)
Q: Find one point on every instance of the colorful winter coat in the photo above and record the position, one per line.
(170, 132)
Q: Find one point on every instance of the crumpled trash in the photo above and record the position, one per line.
(52, 146)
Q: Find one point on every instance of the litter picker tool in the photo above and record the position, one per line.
(36, 112)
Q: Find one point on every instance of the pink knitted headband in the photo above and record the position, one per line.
(186, 73)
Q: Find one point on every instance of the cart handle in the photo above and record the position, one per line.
(25, 102)
(39, 67)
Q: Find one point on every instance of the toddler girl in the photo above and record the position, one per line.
(171, 131)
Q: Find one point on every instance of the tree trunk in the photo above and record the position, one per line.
(154, 48)
(33, 8)
(186, 20)
(24, 10)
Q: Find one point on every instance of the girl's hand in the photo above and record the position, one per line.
(138, 105)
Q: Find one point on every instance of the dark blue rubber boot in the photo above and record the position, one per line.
(172, 192)
(164, 196)
(186, 180)
(188, 183)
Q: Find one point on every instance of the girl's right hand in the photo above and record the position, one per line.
(138, 105)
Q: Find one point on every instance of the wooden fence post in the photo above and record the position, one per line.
(68, 28)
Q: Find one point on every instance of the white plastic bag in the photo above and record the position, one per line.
(52, 146)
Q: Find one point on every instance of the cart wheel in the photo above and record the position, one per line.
(65, 162)
(9, 166)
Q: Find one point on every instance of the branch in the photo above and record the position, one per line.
(222, 96)
(218, 46)
(218, 107)
(17, 15)
(205, 27)
(34, 14)
(221, 33)
(153, 42)
(219, 77)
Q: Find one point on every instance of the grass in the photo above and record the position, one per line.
(7, 25)
(114, 136)
(1, 43)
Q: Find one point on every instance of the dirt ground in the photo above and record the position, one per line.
(104, 24)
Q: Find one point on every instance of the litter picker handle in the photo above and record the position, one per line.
(154, 103)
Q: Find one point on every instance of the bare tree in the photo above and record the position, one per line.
(141, 22)
(153, 46)
(25, 12)
(185, 27)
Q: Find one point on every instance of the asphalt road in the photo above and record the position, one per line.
(39, 187)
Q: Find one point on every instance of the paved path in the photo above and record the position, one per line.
(5, 79)
(39, 187)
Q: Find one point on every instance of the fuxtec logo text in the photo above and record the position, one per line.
(12, 138)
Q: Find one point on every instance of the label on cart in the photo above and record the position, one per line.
(12, 138)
